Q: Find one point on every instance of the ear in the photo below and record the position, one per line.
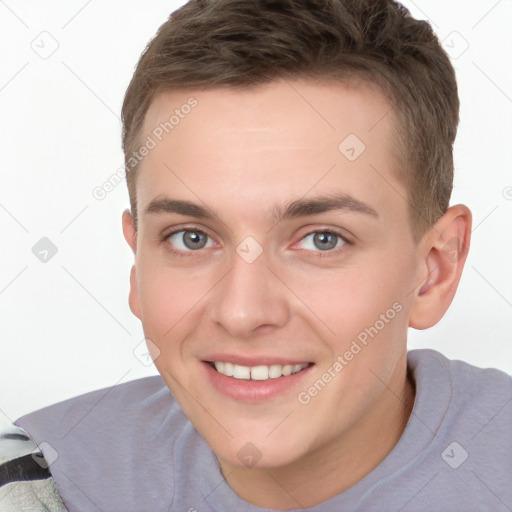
(129, 230)
(445, 248)
(131, 238)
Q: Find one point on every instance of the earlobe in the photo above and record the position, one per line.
(445, 249)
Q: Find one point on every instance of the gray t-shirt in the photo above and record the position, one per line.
(131, 448)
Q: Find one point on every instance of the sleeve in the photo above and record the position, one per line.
(26, 483)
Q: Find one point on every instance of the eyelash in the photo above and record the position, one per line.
(330, 252)
(315, 254)
(165, 239)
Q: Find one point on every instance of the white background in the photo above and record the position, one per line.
(66, 327)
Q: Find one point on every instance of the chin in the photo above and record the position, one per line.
(258, 455)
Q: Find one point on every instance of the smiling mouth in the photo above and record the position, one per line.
(260, 372)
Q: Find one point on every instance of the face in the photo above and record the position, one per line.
(274, 243)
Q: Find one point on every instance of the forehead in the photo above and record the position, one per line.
(318, 106)
(270, 143)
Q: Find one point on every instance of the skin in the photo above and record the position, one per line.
(244, 154)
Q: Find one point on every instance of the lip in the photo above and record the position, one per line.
(252, 390)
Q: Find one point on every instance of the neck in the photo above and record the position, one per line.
(337, 465)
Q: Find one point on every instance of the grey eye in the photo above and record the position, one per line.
(322, 240)
(190, 240)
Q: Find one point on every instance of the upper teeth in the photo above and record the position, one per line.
(261, 372)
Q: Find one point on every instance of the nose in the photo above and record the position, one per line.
(250, 299)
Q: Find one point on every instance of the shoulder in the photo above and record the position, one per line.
(25, 480)
(478, 395)
(456, 450)
(468, 411)
(467, 382)
(103, 406)
(113, 417)
(122, 431)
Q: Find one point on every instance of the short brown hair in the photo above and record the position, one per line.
(240, 43)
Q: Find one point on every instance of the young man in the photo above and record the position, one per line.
(289, 167)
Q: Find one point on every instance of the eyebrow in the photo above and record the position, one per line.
(298, 208)
(166, 205)
(322, 204)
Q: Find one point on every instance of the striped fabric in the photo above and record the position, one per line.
(26, 483)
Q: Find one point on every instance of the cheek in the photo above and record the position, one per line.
(168, 299)
(360, 310)
(348, 300)
(366, 314)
